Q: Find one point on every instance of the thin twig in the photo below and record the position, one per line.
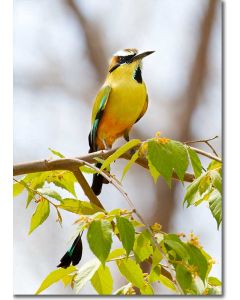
(209, 155)
(206, 141)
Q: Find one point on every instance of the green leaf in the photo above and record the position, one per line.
(161, 159)
(132, 271)
(167, 283)
(17, 189)
(56, 153)
(216, 180)
(33, 182)
(174, 243)
(64, 180)
(184, 278)
(102, 281)
(213, 281)
(156, 257)
(155, 174)
(85, 273)
(179, 158)
(166, 157)
(67, 280)
(100, 239)
(127, 233)
(129, 145)
(192, 192)
(198, 260)
(130, 163)
(79, 207)
(116, 253)
(40, 215)
(195, 161)
(142, 246)
(147, 289)
(155, 273)
(55, 276)
(215, 205)
(214, 165)
(50, 192)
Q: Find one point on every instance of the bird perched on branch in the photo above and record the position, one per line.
(120, 103)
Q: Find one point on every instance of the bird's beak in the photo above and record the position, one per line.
(142, 55)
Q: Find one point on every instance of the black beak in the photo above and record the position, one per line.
(142, 55)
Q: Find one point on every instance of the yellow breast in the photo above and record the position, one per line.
(124, 106)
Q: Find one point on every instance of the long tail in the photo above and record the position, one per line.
(73, 255)
(98, 181)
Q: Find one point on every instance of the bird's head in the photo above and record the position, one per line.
(128, 59)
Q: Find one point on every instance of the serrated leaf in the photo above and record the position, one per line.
(142, 247)
(17, 189)
(167, 282)
(99, 238)
(215, 205)
(79, 207)
(102, 281)
(213, 281)
(129, 145)
(195, 162)
(54, 277)
(56, 153)
(50, 192)
(129, 164)
(40, 215)
(116, 253)
(131, 271)
(85, 273)
(127, 233)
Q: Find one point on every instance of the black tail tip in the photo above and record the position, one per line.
(97, 184)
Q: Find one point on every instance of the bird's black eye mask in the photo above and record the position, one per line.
(122, 60)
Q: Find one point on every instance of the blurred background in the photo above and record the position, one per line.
(61, 55)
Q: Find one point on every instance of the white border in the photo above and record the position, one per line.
(232, 148)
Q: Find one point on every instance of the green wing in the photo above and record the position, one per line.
(97, 113)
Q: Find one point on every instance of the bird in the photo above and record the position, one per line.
(121, 102)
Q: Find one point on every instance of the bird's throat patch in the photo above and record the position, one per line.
(138, 75)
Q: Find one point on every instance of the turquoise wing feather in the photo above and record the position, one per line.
(97, 113)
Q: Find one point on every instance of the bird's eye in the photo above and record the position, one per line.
(122, 59)
(125, 59)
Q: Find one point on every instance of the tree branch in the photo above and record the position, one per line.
(71, 163)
